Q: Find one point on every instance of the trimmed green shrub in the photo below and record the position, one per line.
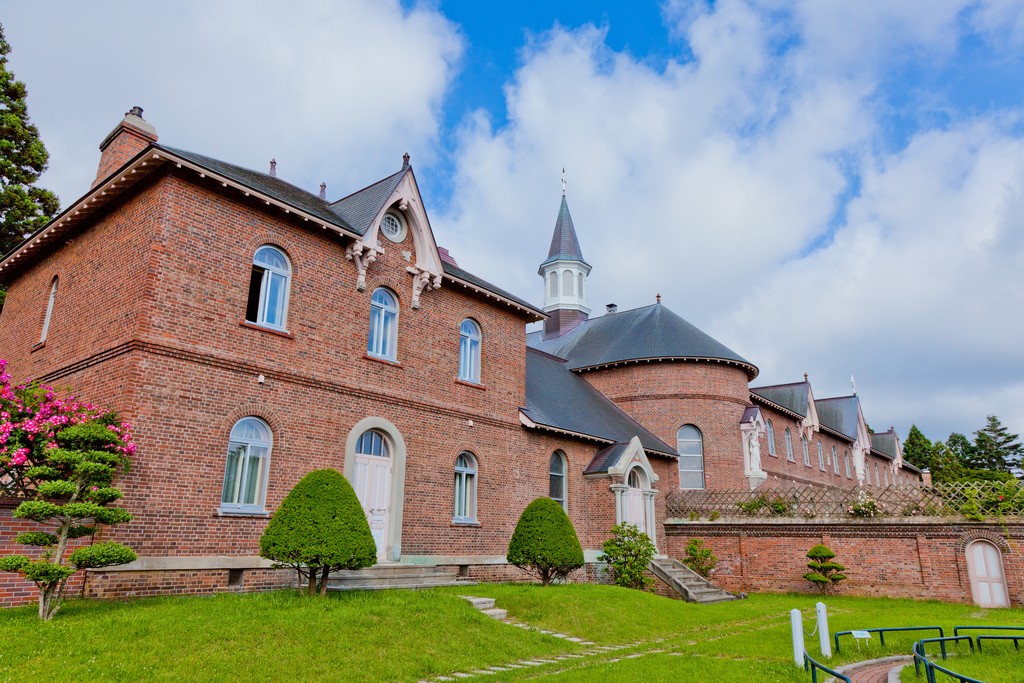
(825, 574)
(544, 543)
(319, 528)
(629, 553)
(700, 559)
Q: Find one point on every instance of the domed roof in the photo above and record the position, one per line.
(642, 334)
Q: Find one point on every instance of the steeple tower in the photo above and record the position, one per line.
(565, 274)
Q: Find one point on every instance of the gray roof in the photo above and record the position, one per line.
(360, 208)
(651, 332)
(456, 272)
(792, 397)
(267, 184)
(885, 444)
(565, 246)
(841, 414)
(559, 399)
(605, 458)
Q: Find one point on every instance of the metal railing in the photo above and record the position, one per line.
(975, 500)
(958, 629)
(882, 631)
(930, 667)
(814, 667)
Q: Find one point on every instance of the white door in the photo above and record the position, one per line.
(373, 488)
(635, 509)
(985, 568)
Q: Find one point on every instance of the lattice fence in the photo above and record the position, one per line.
(13, 483)
(973, 500)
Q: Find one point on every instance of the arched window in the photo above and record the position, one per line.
(556, 478)
(49, 310)
(821, 457)
(469, 351)
(383, 339)
(567, 280)
(465, 487)
(835, 461)
(771, 437)
(579, 286)
(268, 288)
(245, 476)
(372, 442)
(552, 284)
(885, 475)
(789, 445)
(807, 454)
(878, 477)
(690, 445)
(846, 460)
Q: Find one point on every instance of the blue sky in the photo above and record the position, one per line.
(826, 187)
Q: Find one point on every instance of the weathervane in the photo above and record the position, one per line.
(563, 181)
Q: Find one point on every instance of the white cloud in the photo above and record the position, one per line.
(323, 86)
(716, 182)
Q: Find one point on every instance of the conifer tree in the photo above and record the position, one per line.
(918, 450)
(995, 448)
(24, 207)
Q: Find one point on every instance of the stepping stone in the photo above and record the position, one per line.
(462, 675)
(495, 613)
(574, 639)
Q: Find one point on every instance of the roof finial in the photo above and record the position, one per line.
(405, 161)
(323, 190)
(805, 376)
(853, 384)
(563, 181)
(657, 298)
(273, 168)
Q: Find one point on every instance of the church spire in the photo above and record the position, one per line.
(565, 273)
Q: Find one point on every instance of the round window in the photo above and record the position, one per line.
(392, 227)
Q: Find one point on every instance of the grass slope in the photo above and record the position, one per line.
(411, 636)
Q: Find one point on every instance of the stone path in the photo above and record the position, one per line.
(877, 670)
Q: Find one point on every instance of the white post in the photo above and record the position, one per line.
(823, 637)
(796, 621)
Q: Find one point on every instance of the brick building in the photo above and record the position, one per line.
(252, 331)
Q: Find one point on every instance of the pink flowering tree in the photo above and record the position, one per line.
(61, 455)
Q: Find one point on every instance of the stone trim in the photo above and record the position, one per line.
(198, 562)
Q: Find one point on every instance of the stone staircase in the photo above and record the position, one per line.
(486, 606)
(688, 583)
(393, 575)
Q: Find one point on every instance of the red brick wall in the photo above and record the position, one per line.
(883, 558)
(665, 396)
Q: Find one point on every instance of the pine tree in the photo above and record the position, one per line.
(24, 208)
(918, 450)
(961, 447)
(995, 448)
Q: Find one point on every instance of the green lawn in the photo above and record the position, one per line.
(411, 636)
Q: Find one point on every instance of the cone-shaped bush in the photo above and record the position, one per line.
(544, 543)
(319, 528)
(825, 574)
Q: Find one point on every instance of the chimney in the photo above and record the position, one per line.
(611, 308)
(132, 135)
(926, 478)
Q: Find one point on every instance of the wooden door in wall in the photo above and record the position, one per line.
(985, 568)
(372, 482)
(634, 504)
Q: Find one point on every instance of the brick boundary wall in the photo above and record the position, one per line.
(919, 558)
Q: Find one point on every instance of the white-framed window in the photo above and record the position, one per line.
(789, 444)
(268, 288)
(579, 286)
(835, 461)
(878, 476)
(690, 445)
(771, 437)
(556, 479)
(846, 460)
(885, 475)
(567, 281)
(393, 227)
(383, 339)
(552, 283)
(867, 471)
(49, 310)
(465, 487)
(807, 453)
(245, 475)
(372, 442)
(821, 457)
(469, 351)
